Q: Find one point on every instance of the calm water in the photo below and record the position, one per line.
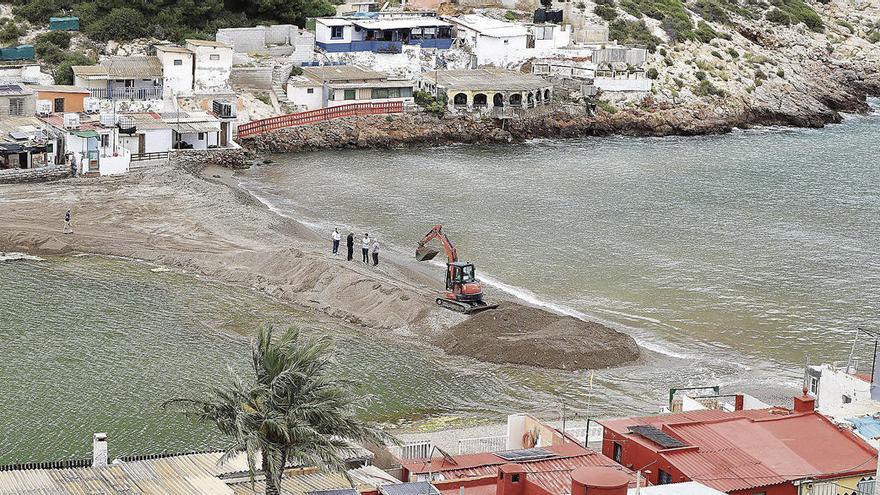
(742, 253)
(739, 254)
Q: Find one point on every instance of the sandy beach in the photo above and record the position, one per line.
(202, 223)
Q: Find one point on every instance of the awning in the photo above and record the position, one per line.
(85, 134)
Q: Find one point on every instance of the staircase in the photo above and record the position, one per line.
(280, 75)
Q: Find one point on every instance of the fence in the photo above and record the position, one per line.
(412, 450)
(314, 116)
(482, 444)
(139, 94)
(158, 155)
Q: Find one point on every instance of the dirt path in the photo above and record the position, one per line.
(204, 224)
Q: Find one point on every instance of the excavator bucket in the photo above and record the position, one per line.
(424, 253)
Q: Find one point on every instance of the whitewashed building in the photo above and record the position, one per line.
(493, 42)
(381, 33)
(177, 68)
(121, 78)
(213, 65)
(334, 85)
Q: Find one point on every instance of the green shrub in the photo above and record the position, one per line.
(652, 73)
(607, 12)
(10, 31)
(121, 24)
(632, 32)
(777, 16)
(717, 54)
(61, 39)
(874, 37)
(296, 71)
(786, 12)
(606, 106)
(37, 12)
(668, 61)
(733, 53)
(705, 33)
(780, 73)
(848, 26)
(706, 88)
(662, 52)
(426, 100)
(700, 75)
(712, 10)
(510, 15)
(63, 73)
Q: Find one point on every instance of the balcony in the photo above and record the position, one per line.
(135, 94)
(381, 46)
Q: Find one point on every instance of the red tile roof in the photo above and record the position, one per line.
(553, 475)
(750, 449)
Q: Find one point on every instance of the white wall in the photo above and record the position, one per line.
(499, 51)
(322, 34)
(155, 141)
(114, 165)
(301, 97)
(211, 75)
(177, 78)
(208, 139)
(834, 384)
(614, 84)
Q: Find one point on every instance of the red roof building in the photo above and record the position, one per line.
(766, 451)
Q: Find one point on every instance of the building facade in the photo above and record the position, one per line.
(212, 65)
(492, 92)
(381, 34)
(334, 85)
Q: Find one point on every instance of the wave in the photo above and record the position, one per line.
(19, 257)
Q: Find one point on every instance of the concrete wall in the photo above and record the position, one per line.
(244, 40)
(303, 99)
(211, 74)
(43, 174)
(73, 102)
(155, 141)
(177, 71)
(28, 105)
(616, 84)
(24, 74)
(499, 51)
(251, 78)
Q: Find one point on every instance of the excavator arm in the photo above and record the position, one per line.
(425, 253)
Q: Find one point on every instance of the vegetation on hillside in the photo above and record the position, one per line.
(102, 20)
(632, 32)
(786, 12)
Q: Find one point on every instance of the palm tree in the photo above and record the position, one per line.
(290, 411)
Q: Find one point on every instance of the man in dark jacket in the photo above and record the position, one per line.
(349, 243)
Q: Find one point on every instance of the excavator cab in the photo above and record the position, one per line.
(461, 282)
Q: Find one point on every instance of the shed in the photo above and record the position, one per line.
(21, 52)
(64, 24)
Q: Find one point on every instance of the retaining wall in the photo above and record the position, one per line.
(41, 174)
(251, 77)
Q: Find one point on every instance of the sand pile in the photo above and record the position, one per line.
(523, 335)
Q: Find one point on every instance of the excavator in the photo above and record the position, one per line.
(464, 293)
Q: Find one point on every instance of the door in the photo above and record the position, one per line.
(59, 105)
(224, 130)
(142, 143)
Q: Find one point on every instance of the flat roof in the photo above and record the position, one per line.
(486, 79)
(173, 49)
(215, 44)
(14, 90)
(341, 73)
(59, 88)
(487, 26)
(333, 21)
(137, 67)
(404, 23)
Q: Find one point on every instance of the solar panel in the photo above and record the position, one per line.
(525, 454)
(347, 491)
(415, 488)
(657, 436)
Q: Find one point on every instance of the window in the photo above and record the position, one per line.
(617, 452)
(105, 140)
(58, 104)
(350, 94)
(178, 61)
(514, 477)
(506, 42)
(663, 478)
(215, 56)
(336, 32)
(847, 399)
(16, 106)
(310, 90)
(129, 83)
(201, 136)
(814, 385)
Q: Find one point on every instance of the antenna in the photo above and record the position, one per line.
(852, 350)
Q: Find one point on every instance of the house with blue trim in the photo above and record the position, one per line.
(381, 34)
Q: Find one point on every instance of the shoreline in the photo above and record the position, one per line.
(202, 223)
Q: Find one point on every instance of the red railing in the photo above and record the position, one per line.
(320, 115)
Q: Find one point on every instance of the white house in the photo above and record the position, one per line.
(177, 68)
(547, 37)
(493, 42)
(93, 140)
(121, 78)
(195, 130)
(381, 33)
(333, 85)
(213, 64)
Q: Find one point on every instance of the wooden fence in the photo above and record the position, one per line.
(314, 116)
(156, 155)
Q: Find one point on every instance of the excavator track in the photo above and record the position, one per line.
(465, 308)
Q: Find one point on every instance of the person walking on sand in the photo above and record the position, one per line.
(349, 244)
(72, 165)
(68, 227)
(336, 238)
(365, 248)
(374, 249)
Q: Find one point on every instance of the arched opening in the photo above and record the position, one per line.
(480, 100)
(530, 99)
(516, 100)
(498, 100)
(546, 96)
(459, 100)
(538, 96)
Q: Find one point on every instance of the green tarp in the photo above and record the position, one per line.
(85, 134)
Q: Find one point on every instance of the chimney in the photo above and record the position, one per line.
(511, 479)
(598, 481)
(99, 450)
(739, 402)
(804, 403)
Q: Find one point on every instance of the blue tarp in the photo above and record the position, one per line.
(64, 23)
(866, 426)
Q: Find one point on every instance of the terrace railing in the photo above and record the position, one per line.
(314, 116)
(412, 450)
(136, 94)
(482, 444)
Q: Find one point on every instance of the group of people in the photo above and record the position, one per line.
(369, 247)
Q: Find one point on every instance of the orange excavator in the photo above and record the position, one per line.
(464, 293)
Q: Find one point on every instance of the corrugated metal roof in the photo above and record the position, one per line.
(173, 49)
(405, 23)
(214, 44)
(295, 484)
(122, 68)
(58, 88)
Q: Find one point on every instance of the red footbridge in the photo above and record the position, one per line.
(257, 127)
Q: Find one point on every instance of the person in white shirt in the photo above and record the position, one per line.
(365, 248)
(336, 238)
(375, 250)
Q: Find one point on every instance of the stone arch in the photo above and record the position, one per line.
(530, 98)
(546, 95)
(480, 100)
(538, 96)
(498, 100)
(460, 99)
(516, 99)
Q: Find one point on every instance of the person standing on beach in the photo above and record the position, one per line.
(68, 227)
(365, 248)
(375, 250)
(349, 243)
(72, 165)
(336, 238)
